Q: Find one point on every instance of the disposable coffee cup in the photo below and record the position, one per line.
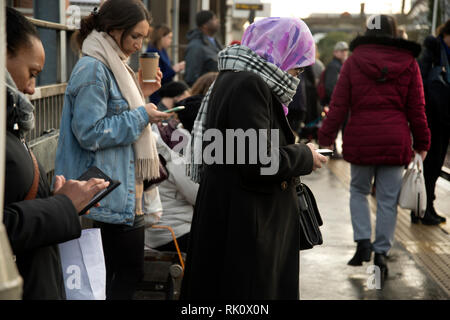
(149, 62)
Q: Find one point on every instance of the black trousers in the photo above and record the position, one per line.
(440, 134)
(123, 248)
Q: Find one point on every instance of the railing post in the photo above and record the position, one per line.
(63, 42)
(175, 29)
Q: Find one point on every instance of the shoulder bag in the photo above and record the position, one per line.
(310, 219)
(413, 195)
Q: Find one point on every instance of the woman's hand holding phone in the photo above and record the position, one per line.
(318, 159)
(154, 114)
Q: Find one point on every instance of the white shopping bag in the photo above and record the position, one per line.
(83, 265)
(413, 195)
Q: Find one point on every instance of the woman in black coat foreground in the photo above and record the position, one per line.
(245, 230)
(35, 219)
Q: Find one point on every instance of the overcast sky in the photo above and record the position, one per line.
(303, 8)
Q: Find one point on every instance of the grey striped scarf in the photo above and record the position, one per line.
(25, 109)
(238, 58)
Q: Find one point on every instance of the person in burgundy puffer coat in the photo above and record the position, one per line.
(381, 86)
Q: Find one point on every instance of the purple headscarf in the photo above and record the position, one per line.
(285, 42)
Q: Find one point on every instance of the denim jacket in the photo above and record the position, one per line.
(98, 129)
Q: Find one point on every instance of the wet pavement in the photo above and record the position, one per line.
(324, 273)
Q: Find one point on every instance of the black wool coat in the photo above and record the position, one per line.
(35, 227)
(437, 93)
(245, 229)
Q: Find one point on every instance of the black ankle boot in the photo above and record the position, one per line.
(380, 262)
(363, 253)
(430, 219)
(434, 214)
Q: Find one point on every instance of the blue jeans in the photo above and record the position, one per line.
(388, 183)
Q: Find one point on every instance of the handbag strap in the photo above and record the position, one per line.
(35, 185)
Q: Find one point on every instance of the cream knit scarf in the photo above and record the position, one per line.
(104, 48)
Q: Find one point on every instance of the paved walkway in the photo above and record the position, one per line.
(419, 262)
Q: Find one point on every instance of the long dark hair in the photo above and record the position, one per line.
(113, 15)
(19, 31)
(158, 33)
(386, 28)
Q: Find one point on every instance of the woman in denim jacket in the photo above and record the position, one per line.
(105, 123)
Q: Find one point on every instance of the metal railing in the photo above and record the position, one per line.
(43, 139)
(48, 101)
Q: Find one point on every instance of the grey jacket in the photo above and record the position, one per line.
(201, 56)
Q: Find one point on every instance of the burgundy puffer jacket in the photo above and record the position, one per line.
(381, 86)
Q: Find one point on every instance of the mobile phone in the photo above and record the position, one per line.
(176, 109)
(325, 152)
(94, 172)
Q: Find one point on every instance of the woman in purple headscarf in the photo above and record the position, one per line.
(245, 229)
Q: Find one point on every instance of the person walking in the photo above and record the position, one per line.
(381, 86)
(202, 49)
(436, 56)
(105, 123)
(36, 218)
(244, 240)
(332, 70)
(160, 41)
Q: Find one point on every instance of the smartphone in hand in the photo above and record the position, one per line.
(176, 109)
(325, 152)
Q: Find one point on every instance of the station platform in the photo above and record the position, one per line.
(419, 262)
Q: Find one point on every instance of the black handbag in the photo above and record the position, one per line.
(309, 216)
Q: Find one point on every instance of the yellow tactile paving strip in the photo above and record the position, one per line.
(429, 245)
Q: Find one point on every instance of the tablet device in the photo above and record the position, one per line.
(94, 172)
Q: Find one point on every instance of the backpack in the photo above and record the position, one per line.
(321, 92)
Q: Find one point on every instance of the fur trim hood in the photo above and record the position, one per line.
(399, 43)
